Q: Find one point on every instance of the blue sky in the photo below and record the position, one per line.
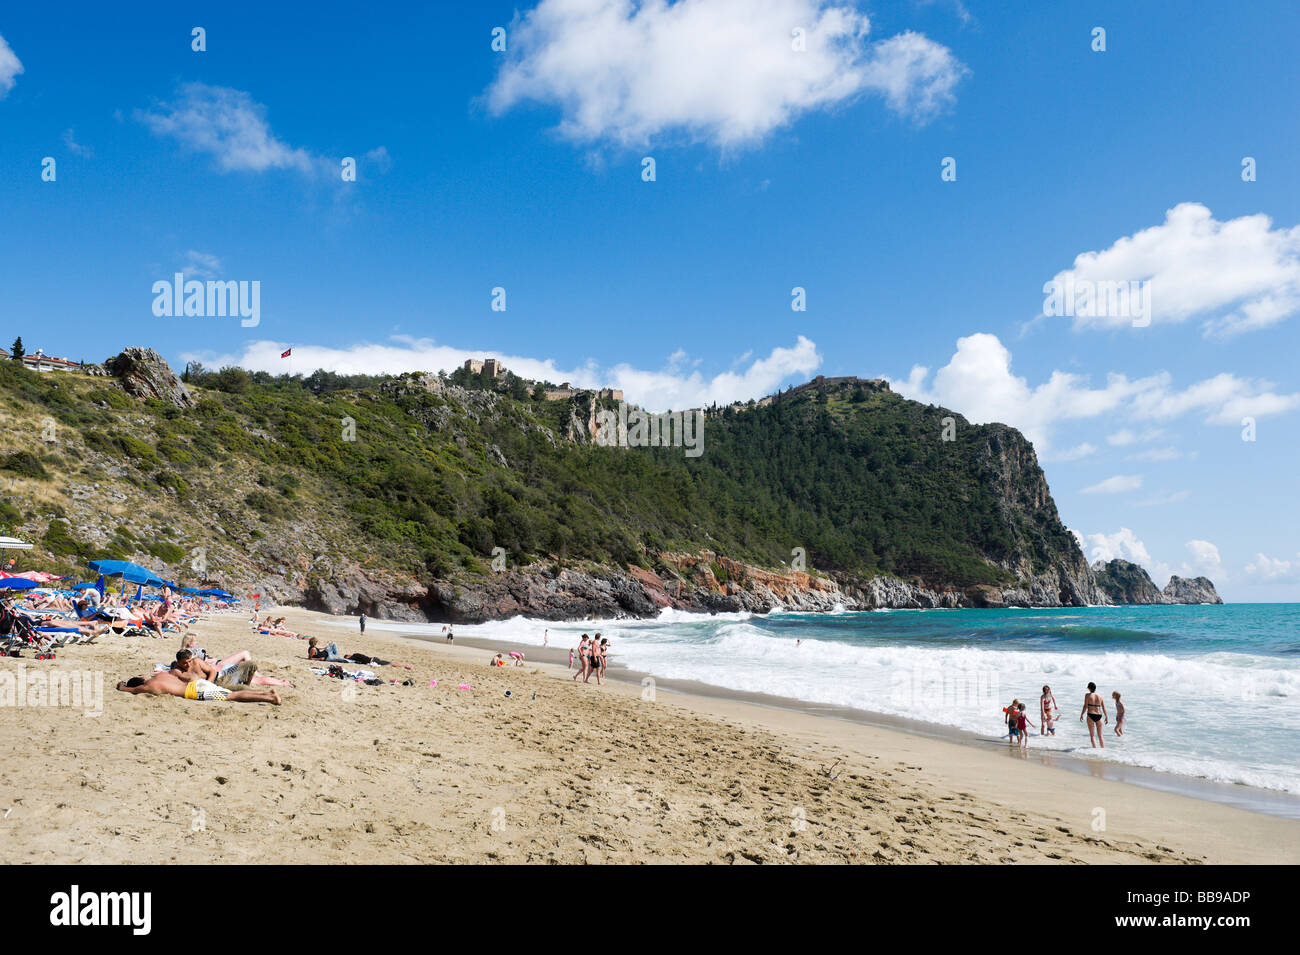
(774, 168)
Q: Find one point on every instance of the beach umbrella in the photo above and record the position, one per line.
(17, 583)
(127, 571)
(99, 585)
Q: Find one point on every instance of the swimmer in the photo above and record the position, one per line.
(1119, 714)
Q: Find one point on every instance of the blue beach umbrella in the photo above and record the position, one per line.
(127, 571)
(17, 583)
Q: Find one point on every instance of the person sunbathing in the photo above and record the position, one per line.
(276, 628)
(234, 671)
(330, 653)
(164, 683)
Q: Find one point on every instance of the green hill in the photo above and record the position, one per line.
(390, 495)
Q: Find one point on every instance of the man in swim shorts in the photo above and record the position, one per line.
(163, 683)
(1094, 707)
(232, 673)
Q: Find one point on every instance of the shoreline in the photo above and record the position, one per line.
(1276, 803)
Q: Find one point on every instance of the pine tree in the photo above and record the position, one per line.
(17, 351)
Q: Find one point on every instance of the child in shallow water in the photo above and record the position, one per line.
(1119, 714)
(1023, 721)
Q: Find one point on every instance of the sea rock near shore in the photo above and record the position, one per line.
(1197, 590)
(1124, 582)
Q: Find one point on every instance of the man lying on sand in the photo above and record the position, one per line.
(164, 683)
(234, 671)
(330, 653)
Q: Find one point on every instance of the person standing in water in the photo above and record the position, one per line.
(1022, 722)
(1094, 707)
(1046, 704)
(1119, 714)
(546, 638)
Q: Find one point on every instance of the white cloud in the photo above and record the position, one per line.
(1123, 544)
(1119, 484)
(1236, 276)
(978, 382)
(228, 125)
(719, 71)
(10, 67)
(74, 147)
(670, 387)
(1271, 568)
(200, 265)
(1205, 556)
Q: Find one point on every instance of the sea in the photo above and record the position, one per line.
(1210, 691)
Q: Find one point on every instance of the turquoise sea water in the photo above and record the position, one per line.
(1211, 691)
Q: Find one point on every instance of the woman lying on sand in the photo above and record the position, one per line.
(163, 683)
(276, 628)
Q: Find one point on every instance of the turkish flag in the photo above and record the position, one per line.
(286, 353)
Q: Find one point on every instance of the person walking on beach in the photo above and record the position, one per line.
(1119, 713)
(597, 664)
(363, 623)
(583, 657)
(451, 637)
(546, 638)
(1094, 707)
(1045, 707)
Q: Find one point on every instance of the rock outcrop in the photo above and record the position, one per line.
(1197, 590)
(145, 374)
(1124, 582)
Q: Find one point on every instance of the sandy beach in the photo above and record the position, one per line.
(557, 772)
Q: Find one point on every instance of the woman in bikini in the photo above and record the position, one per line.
(1094, 707)
(584, 658)
(1119, 713)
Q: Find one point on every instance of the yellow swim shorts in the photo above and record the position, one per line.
(203, 690)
